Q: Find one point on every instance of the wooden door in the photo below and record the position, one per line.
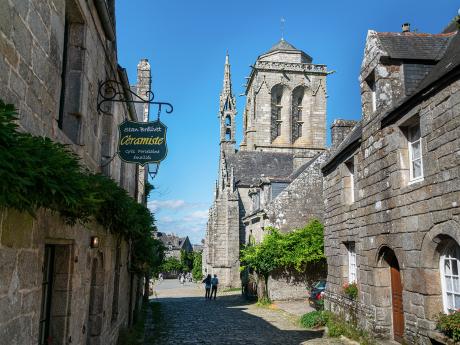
(397, 301)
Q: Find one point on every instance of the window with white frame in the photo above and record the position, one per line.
(415, 153)
(450, 279)
(351, 262)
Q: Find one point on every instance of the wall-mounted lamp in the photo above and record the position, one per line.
(94, 242)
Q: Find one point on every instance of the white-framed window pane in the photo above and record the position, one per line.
(417, 168)
(450, 277)
(351, 263)
(416, 150)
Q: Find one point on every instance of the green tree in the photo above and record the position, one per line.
(298, 250)
(186, 259)
(171, 265)
(197, 271)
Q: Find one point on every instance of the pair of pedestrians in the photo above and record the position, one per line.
(210, 286)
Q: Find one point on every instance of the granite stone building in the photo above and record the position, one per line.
(174, 244)
(283, 146)
(54, 287)
(392, 189)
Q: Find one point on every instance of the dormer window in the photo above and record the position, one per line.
(415, 153)
(372, 88)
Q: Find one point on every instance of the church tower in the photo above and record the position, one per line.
(285, 103)
(227, 112)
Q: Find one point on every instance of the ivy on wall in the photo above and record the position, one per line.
(36, 172)
(298, 250)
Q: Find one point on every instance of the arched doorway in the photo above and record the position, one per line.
(397, 308)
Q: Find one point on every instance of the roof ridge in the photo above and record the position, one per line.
(415, 34)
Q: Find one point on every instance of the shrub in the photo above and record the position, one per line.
(313, 319)
(337, 326)
(449, 324)
(351, 290)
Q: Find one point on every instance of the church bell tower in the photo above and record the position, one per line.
(227, 112)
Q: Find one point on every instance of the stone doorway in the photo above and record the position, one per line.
(396, 293)
(56, 294)
(96, 302)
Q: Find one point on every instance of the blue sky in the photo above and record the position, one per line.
(185, 42)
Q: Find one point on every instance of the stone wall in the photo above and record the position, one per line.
(22, 247)
(85, 308)
(390, 214)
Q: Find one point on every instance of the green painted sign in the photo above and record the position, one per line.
(142, 142)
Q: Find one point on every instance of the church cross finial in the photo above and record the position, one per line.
(282, 28)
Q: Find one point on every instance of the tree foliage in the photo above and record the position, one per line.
(36, 172)
(186, 260)
(294, 250)
(171, 265)
(197, 271)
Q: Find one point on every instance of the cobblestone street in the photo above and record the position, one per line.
(187, 318)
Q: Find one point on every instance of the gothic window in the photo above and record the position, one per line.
(73, 58)
(297, 99)
(228, 121)
(228, 135)
(255, 202)
(450, 278)
(276, 108)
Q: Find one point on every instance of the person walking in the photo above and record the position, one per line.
(207, 286)
(214, 283)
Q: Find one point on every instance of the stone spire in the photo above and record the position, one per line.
(226, 94)
(227, 111)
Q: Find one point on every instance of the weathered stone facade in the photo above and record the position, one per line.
(392, 188)
(53, 54)
(282, 149)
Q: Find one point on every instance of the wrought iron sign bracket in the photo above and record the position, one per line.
(114, 91)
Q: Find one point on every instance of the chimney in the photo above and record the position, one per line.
(406, 27)
(340, 129)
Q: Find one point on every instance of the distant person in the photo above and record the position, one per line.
(182, 279)
(207, 286)
(214, 283)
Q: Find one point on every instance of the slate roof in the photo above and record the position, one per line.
(282, 45)
(414, 46)
(250, 166)
(449, 62)
(169, 239)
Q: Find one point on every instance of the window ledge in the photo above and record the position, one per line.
(414, 181)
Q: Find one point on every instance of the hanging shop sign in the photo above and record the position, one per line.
(142, 142)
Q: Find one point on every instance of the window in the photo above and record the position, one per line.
(351, 262)
(372, 88)
(450, 279)
(297, 99)
(73, 61)
(255, 202)
(276, 105)
(349, 182)
(415, 154)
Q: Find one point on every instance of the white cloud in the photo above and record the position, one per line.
(197, 216)
(156, 205)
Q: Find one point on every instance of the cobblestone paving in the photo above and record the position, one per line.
(187, 318)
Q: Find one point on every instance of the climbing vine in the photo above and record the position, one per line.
(36, 172)
(296, 250)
